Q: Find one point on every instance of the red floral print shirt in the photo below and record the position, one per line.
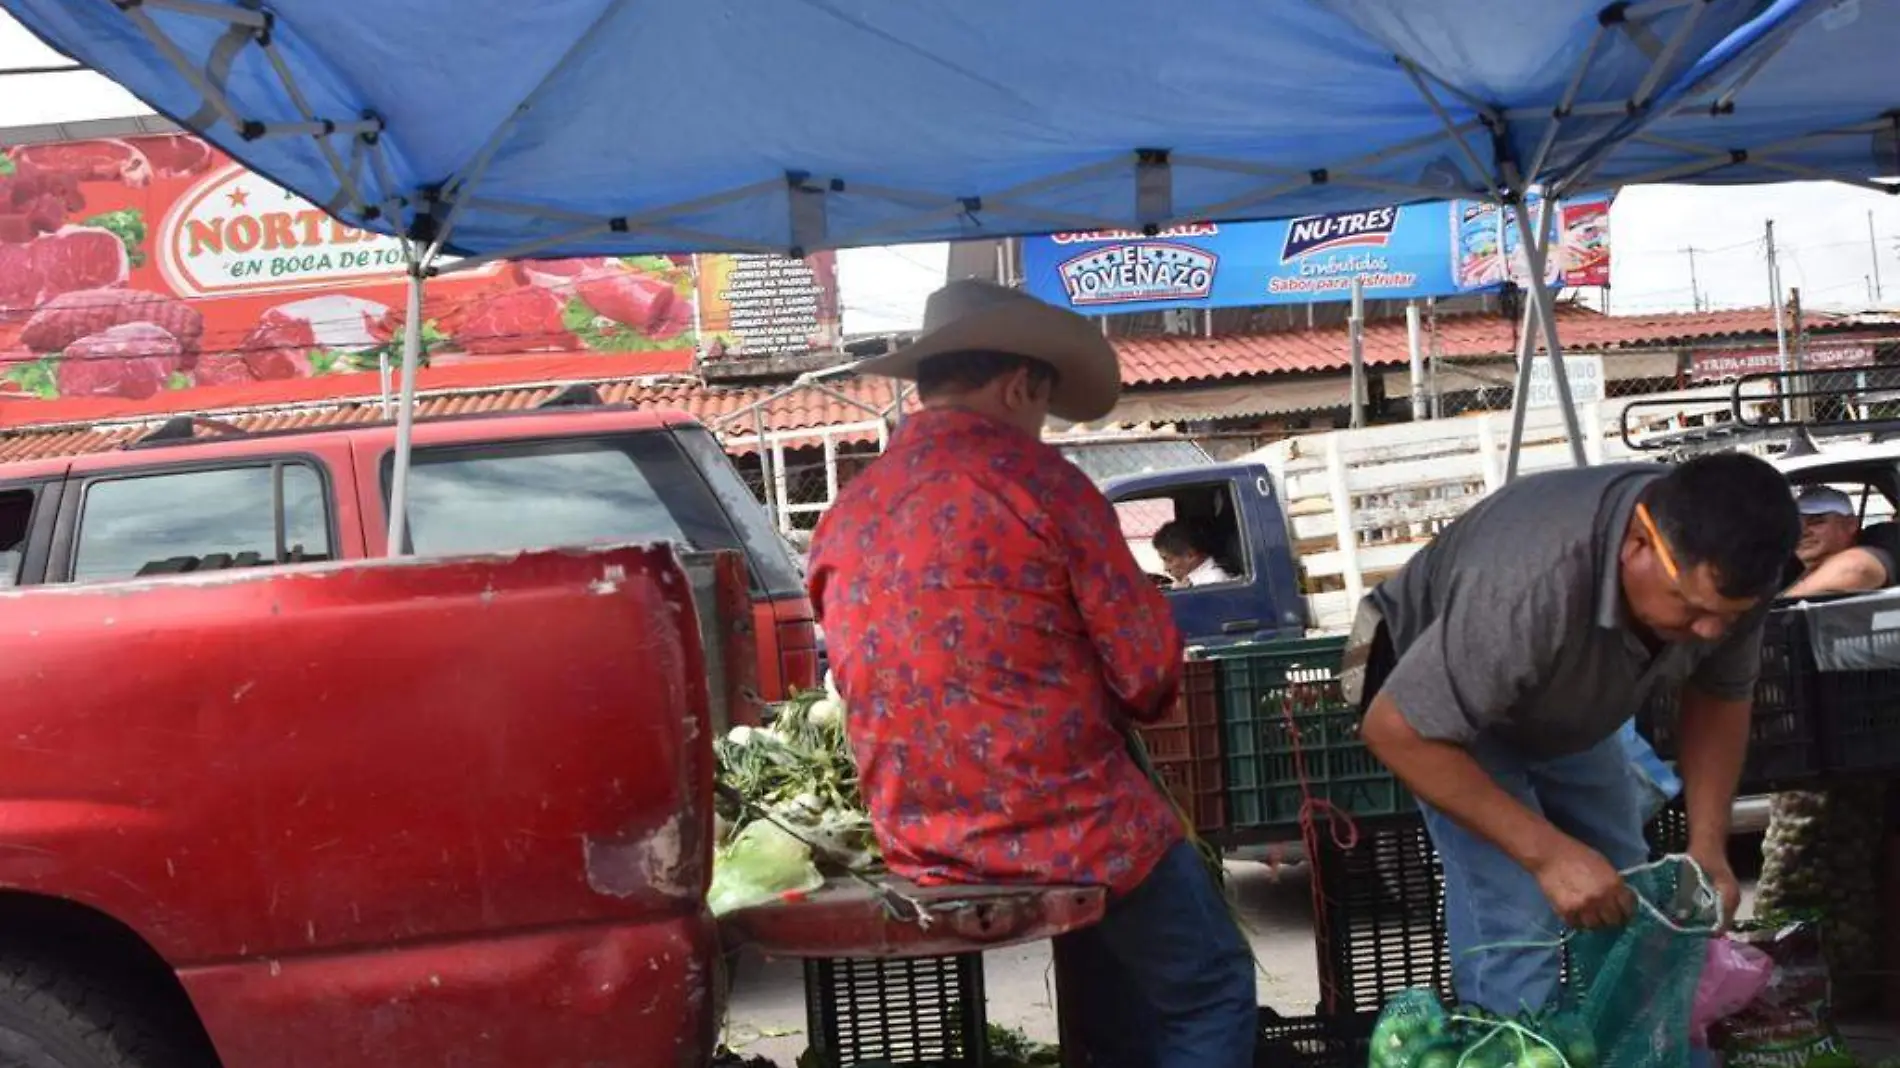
(989, 629)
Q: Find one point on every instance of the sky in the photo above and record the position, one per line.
(1821, 229)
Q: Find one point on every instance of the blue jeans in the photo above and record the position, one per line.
(1656, 779)
(1166, 979)
(1503, 936)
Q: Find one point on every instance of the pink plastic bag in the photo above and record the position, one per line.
(1732, 976)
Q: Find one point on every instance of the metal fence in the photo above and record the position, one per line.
(800, 471)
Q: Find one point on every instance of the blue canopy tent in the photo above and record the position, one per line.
(484, 129)
(1817, 100)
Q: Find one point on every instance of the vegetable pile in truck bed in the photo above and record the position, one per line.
(802, 816)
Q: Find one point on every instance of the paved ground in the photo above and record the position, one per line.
(768, 1002)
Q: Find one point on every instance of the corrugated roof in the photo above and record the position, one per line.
(43, 429)
(803, 409)
(1166, 361)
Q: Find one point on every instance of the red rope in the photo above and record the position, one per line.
(1339, 823)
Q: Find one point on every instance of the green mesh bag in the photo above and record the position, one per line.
(1634, 987)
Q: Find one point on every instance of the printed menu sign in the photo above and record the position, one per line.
(755, 305)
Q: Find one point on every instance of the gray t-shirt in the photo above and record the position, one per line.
(1511, 623)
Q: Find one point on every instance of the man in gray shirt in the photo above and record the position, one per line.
(1502, 661)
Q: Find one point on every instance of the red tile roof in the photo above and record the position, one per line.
(354, 399)
(35, 429)
(1167, 361)
(454, 372)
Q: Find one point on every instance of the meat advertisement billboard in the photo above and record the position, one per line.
(134, 265)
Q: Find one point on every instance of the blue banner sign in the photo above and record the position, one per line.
(1422, 250)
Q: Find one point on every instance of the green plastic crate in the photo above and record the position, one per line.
(1272, 694)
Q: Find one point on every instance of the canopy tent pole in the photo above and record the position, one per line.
(406, 411)
(1520, 394)
(1536, 248)
(1356, 330)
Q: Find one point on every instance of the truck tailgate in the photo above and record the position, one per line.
(846, 918)
(415, 812)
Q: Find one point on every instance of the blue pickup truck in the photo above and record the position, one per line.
(1237, 505)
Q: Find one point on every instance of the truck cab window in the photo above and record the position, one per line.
(500, 498)
(1140, 519)
(16, 515)
(188, 521)
(1207, 511)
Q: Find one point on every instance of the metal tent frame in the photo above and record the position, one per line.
(1484, 167)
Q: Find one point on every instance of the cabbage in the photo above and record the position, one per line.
(762, 864)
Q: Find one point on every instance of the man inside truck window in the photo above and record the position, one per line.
(1507, 655)
(993, 639)
(1831, 556)
(1187, 553)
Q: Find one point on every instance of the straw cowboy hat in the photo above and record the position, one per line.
(977, 316)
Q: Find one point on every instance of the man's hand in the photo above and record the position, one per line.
(1584, 889)
(1715, 865)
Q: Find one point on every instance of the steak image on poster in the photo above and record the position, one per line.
(235, 280)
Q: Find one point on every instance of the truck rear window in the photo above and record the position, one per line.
(223, 517)
(636, 488)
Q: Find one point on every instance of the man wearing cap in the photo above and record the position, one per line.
(994, 637)
(1501, 663)
(1831, 558)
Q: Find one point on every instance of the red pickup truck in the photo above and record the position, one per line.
(431, 812)
(196, 495)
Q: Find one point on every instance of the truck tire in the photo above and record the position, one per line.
(51, 1017)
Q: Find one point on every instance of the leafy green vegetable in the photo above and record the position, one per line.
(760, 865)
(39, 377)
(6, 164)
(601, 334)
(1009, 1048)
(178, 380)
(129, 225)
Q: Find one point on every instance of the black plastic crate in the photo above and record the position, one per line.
(1784, 740)
(1668, 833)
(1861, 710)
(1382, 923)
(1340, 1041)
(925, 1011)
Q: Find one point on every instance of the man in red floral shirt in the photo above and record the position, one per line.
(993, 637)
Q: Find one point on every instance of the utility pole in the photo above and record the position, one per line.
(1774, 299)
(1803, 405)
(1695, 288)
(1873, 249)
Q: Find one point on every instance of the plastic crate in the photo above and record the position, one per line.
(1784, 743)
(1279, 696)
(1860, 711)
(1669, 832)
(1313, 1041)
(1381, 927)
(925, 1011)
(1185, 749)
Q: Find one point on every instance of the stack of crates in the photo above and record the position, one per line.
(1280, 704)
(1784, 743)
(922, 1012)
(1185, 748)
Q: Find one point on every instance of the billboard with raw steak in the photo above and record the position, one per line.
(134, 265)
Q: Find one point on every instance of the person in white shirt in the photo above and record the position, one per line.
(1187, 556)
